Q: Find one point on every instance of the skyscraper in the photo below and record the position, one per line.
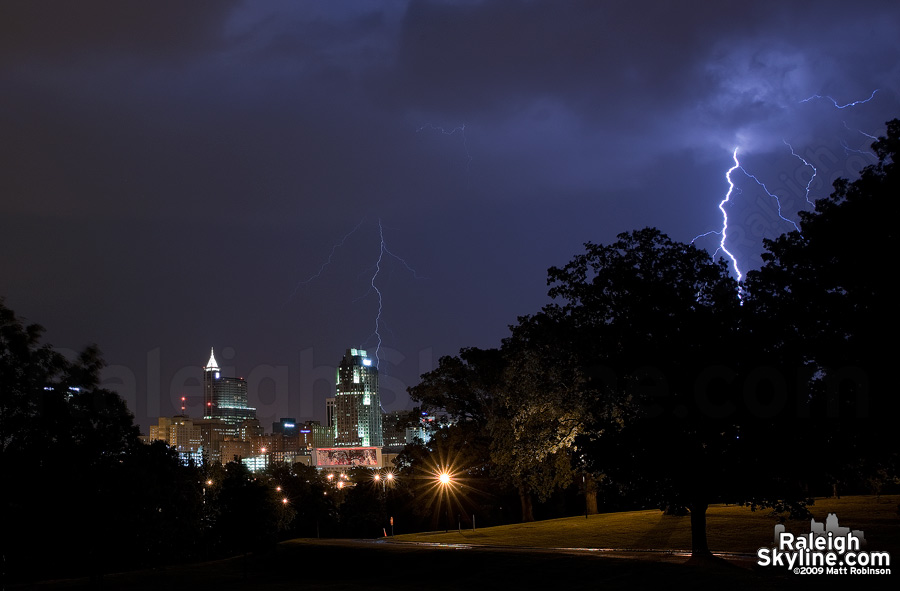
(225, 398)
(357, 406)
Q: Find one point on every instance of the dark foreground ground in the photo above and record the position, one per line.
(312, 564)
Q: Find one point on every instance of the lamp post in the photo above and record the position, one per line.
(445, 480)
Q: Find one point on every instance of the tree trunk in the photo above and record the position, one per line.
(590, 495)
(591, 501)
(525, 497)
(699, 544)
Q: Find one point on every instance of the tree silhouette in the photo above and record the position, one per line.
(825, 312)
(648, 326)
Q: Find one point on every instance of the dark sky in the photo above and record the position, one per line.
(175, 175)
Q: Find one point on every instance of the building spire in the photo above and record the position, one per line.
(211, 365)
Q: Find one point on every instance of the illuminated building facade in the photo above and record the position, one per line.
(357, 406)
(181, 433)
(225, 398)
(314, 434)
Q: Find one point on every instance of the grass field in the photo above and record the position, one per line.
(730, 528)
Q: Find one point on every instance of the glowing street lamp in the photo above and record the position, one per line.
(445, 481)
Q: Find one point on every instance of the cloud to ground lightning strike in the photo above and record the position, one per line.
(724, 231)
(731, 188)
(383, 249)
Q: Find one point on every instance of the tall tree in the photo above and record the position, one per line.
(464, 386)
(507, 420)
(537, 417)
(649, 325)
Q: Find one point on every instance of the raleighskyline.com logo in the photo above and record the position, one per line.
(827, 549)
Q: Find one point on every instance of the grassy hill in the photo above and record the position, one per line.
(730, 528)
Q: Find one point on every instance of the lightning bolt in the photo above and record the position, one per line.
(731, 189)
(772, 195)
(461, 129)
(724, 231)
(382, 251)
(848, 128)
(835, 103)
(327, 262)
(848, 149)
(811, 179)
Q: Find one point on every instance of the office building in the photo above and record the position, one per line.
(357, 406)
(181, 433)
(225, 397)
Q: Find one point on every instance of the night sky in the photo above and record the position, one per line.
(176, 175)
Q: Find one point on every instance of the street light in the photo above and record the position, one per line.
(444, 480)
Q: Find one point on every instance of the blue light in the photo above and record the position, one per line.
(367, 362)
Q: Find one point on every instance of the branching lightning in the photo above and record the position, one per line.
(723, 233)
(773, 196)
(327, 262)
(848, 149)
(461, 129)
(868, 135)
(811, 179)
(835, 103)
